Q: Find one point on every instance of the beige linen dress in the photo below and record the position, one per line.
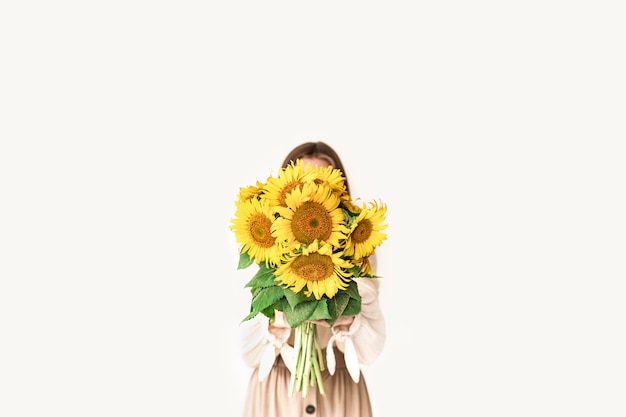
(269, 351)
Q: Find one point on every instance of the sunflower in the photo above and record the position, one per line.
(333, 177)
(311, 213)
(253, 191)
(365, 267)
(293, 176)
(365, 231)
(348, 204)
(252, 226)
(318, 269)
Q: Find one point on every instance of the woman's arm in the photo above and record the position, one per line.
(257, 333)
(367, 331)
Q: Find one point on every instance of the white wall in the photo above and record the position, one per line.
(492, 132)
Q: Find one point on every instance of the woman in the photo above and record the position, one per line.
(356, 340)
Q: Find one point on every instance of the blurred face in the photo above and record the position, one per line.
(316, 161)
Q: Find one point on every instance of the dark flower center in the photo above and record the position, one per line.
(311, 221)
(362, 232)
(313, 267)
(259, 227)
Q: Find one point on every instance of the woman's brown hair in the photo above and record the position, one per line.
(317, 150)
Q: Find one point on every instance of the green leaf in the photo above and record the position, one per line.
(353, 290)
(348, 216)
(282, 305)
(337, 305)
(255, 290)
(353, 308)
(244, 261)
(296, 298)
(270, 311)
(266, 297)
(253, 313)
(250, 316)
(263, 278)
(354, 271)
(321, 311)
(300, 313)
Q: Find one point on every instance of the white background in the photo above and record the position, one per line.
(491, 129)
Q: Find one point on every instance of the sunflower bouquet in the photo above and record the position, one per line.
(309, 240)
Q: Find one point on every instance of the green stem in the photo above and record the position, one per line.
(308, 360)
(318, 377)
(297, 348)
(320, 358)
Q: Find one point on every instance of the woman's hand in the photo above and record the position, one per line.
(280, 320)
(342, 321)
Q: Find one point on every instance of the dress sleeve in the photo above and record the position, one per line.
(363, 341)
(368, 331)
(261, 343)
(254, 335)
